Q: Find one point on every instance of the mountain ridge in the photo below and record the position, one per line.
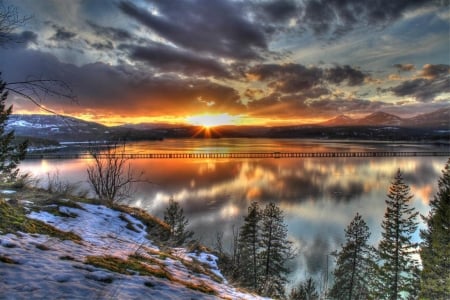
(378, 125)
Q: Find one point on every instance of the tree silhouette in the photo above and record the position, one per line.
(174, 217)
(399, 270)
(10, 154)
(435, 248)
(276, 250)
(249, 239)
(355, 261)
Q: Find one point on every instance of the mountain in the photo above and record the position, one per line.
(341, 120)
(439, 118)
(380, 118)
(378, 125)
(56, 127)
(69, 129)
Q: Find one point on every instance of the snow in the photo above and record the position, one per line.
(22, 123)
(7, 192)
(46, 267)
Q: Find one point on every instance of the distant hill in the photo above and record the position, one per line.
(437, 119)
(378, 126)
(69, 129)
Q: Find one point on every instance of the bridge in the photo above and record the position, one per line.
(237, 155)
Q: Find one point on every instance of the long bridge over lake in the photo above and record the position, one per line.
(237, 155)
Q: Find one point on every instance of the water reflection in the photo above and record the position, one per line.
(319, 196)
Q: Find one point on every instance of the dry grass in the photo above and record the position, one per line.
(131, 266)
(13, 219)
(156, 228)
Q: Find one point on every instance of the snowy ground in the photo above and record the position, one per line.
(47, 268)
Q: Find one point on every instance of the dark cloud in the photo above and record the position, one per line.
(18, 40)
(435, 71)
(279, 10)
(115, 34)
(102, 46)
(213, 27)
(336, 17)
(62, 34)
(288, 78)
(436, 81)
(170, 59)
(122, 89)
(329, 107)
(423, 90)
(405, 67)
(300, 106)
(295, 78)
(339, 74)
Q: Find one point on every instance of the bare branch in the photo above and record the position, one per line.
(111, 175)
(10, 20)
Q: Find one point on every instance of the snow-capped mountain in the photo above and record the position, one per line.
(56, 127)
(437, 119)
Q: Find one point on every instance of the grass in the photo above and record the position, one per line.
(13, 219)
(130, 225)
(155, 227)
(133, 265)
(136, 264)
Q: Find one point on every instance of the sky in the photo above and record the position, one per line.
(254, 62)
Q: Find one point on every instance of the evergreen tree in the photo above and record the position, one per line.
(354, 262)
(399, 270)
(306, 290)
(10, 154)
(435, 248)
(276, 250)
(249, 239)
(175, 218)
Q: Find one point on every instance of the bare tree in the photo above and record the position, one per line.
(111, 176)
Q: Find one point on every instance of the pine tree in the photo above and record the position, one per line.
(399, 270)
(10, 154)
(175, 218)
(435, 248)
(354, 262)
(305, 290)
(276, 250)
(249, 239)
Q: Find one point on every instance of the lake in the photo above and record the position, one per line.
(319, 196)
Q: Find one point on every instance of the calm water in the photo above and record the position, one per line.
(319, 196)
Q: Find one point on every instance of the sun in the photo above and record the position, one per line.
(212, 120)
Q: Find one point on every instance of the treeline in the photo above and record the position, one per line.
(260, 252)
(392, 270)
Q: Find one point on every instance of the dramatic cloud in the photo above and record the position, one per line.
(20, 40)
(103, 88)
(435, 71)
(115, 34)
(264, 60)
(279, 10)
(436, 81)
(405, 67)
(170, 59)
(212, 27)
(294, 78)
(423, 90)
(336, 18)
(62, 34)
